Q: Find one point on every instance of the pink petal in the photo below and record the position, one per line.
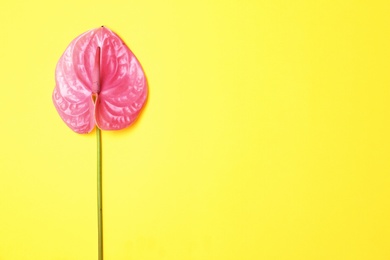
(98, 62)
(123, 85)
(74, 73)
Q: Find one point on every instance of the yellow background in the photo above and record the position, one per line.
(265, 135)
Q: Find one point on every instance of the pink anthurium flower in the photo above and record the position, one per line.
(99, 81)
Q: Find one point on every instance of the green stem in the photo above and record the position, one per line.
(99, 193)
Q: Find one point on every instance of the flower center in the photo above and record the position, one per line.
(96, 73)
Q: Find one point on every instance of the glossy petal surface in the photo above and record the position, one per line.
(98, 63)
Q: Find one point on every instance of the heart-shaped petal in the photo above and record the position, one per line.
(99, 81)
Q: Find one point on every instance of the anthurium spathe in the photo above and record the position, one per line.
(99, 81)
